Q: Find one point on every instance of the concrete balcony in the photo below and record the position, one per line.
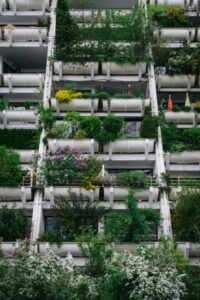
(89, 71)
(185, 163)
(21, 83)
(190, 250)
(87, 146)
(179, 83)
(183, 119)
(123, 154)
(24, 7)
(17, 197)
(118, 107)
(188, 5)
(23, 37)
(11, 119)
(113, 197)
(178, 35)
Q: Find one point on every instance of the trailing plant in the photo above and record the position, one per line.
(13, 224)
(10, 167)
(20, 138)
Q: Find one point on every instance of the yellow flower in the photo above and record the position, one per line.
(197, 104)
(67, 95)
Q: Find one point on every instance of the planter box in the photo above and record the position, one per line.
(23, 80)
(180, 117)
(25, 34)
(125, 69)
(130, 146)
(19, 117)
(15, 193)
(186, 157)
(24, 5)
(91, 105)
(61, 68)
(176, 81)
(111, 194)
(27, 156)
(85, 146)
(178, 3)
(178, 34)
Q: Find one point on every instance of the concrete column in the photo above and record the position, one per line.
(146, 149)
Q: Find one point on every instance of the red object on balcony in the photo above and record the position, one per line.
(170, 103)
(130, 90)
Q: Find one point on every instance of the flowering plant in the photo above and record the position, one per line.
(197, 106)
(67, 95)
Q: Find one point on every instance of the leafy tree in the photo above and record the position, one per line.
(9, 166)
(149, 126)
(67, 38)
(186, 218)
(13, 224)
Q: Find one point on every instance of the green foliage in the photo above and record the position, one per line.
(113, 124)
(97, 250)
(46, 117)
(186, 218)
(130, 226)
(149, 126)
(192, 281)
(3, 104)
(73, 117)
(10, 168)
(60, 131)
(132, 179)
(20, 138)
(93, 166)
(67, 41)
(91, 125)
(13, 224)
(28, 104)
(103, 137)
(169, 16)
(178, 140)
(76, 214)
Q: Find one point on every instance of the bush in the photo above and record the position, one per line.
(149, 126)
(3, 104)
(60, 131)
(20, 138)
(132, 179)
(103, 137)
(10, 168)
(13, 224)
(192, 281)
(113, 124)
(186, 217)
(91, 125)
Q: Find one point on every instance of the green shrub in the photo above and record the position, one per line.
(10, 168)
(132, 179)
(186, 217)
(20, 138)
(91, 125)
(13, 224)
(113, 124)
(192, 280)
(149, 127)
(3, 104)
(60, 131)
(103, 137)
